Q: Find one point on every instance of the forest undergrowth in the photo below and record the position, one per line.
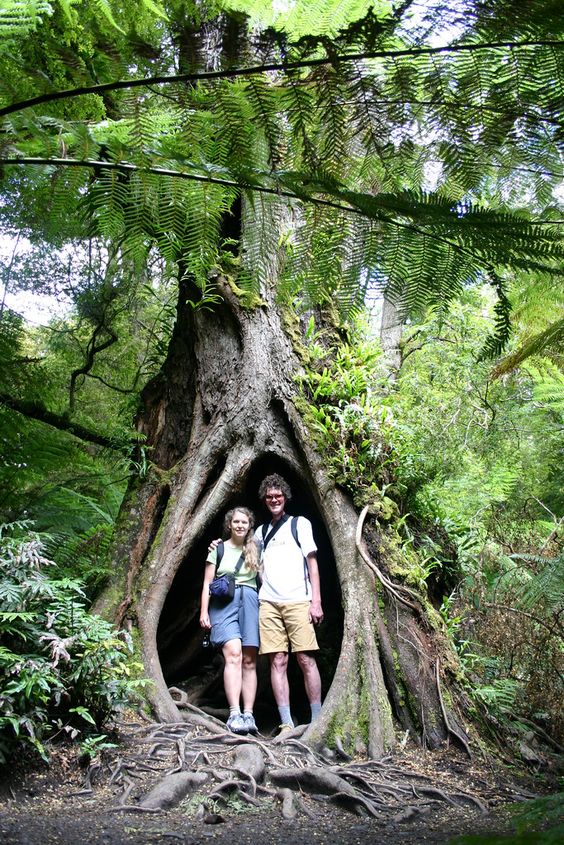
(193, 780)
(425, 183)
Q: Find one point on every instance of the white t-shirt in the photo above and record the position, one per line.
(285, 576)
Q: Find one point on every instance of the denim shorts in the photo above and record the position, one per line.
(236, 620)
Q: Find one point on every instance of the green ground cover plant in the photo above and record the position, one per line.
(65, 671)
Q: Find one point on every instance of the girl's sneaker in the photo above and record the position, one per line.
(250, 723)
(237, 724)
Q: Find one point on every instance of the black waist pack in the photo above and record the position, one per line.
(223, 588)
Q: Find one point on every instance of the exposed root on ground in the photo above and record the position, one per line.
(198, 760)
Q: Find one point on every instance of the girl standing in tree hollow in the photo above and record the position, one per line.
(234, 626)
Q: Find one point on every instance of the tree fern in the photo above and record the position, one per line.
(549, 386)
(19, 19)
(354, 125)
(545, 589)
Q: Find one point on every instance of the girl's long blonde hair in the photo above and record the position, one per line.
(250, 550)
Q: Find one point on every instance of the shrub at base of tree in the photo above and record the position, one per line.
(65, 671)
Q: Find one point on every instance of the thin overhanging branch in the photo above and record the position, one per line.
(242, 185)
(124, 167)
(38, 411)
(92, 350)
(508, 609)
(231, 73)
(126, 391)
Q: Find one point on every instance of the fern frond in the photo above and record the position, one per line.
(299, 104)
(551, 340)
(264, 101)
(333, 135)
(19, 19)
(545, 588)
(234, 117)
(549, 386)
(265, 223)
(105, 9)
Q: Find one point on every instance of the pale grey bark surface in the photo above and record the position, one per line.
(391, 328)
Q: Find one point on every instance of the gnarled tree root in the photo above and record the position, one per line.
(189, 760)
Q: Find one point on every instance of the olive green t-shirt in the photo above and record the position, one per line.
(228, 563)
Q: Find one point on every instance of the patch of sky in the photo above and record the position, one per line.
(36, 306)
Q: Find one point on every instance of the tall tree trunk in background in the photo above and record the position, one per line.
(220, 411)
(391, 328)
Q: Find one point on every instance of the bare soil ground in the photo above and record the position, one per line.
(415, 796)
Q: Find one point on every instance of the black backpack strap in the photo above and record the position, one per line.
(294, 529)
(266, 540)
(219, 550)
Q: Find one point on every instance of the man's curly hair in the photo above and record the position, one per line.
(274, 482)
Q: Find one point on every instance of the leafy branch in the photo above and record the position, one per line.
(232, 73)
(38, 411)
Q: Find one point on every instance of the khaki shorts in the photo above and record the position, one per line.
(282, 625)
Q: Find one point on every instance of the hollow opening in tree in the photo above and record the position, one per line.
(198, 671)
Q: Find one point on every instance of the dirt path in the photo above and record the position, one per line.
(95, 826)
(413, 797)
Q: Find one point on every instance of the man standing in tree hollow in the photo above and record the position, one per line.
(290, 599)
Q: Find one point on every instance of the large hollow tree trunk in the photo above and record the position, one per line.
(223, 402)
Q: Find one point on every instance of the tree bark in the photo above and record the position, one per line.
(391, 328)
(223, 404)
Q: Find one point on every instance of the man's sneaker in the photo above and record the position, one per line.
(250, 723)
(237, 724)
(284, 728)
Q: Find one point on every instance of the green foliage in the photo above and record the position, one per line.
(545, 589)
(63, 669)
(91, 746)
(537, 822)
(549, 387)
(71, 495)
(499, 696)
(346, 419)
(468, 447)
(69, 488)
(479, 469)
(19, 19)
(360, 111)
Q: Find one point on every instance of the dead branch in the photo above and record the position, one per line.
(448, 725)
